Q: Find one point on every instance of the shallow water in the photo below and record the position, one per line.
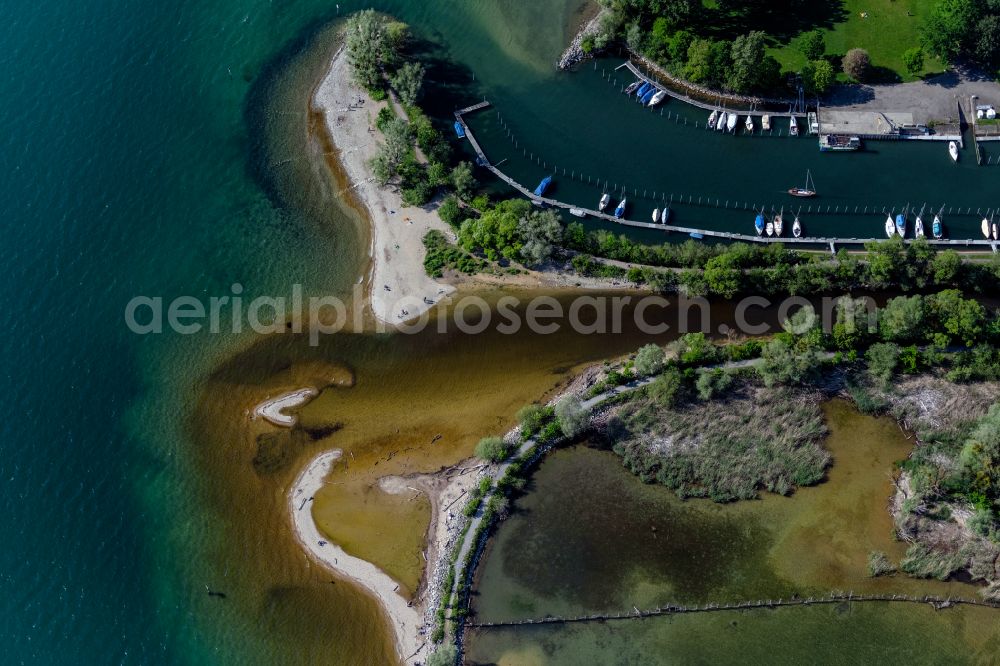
(631, 544)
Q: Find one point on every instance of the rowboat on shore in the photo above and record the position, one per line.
(605, 200)
(953, 150)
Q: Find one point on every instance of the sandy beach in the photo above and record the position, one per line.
(400, 288)
(405, 619)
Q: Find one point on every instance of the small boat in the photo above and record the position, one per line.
(986, 228)
(890, 227)
(793, 126)
(711, 119)
(731, 122)
(620, 210)
(996, 231)
(749, 124)
(937, 228)
(642, 89)
(797, 228)
(901, 225)
(658, 97)
(605, 200)
(696, 235)
(953, 150)
(765, 122)
(759, 224)
(656, 215)
(577, 212)
(770, 228)
(633, 87)
(918, 228)
(664, 215)
(459, 130)
(721, 125)
(808, 191)
(542, 186)
(779, 223)
(648, 95)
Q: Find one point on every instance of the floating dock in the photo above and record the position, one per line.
(484, 162)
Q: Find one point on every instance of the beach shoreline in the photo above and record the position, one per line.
(398, 286)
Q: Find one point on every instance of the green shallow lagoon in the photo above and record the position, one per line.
(589, 537)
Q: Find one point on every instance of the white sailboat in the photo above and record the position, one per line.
(793, 126)
(731, 122)
(605, 200)
(953, 150)
(797, 227)
(711, 119)
(779, 223)
(749, 124)
(986, 228)
(918, 225)
(890, 227)
(770, 228)
(721, 124)
(656, 215)
(657, 98)
(765, 122)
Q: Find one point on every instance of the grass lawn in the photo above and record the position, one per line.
(890, 28)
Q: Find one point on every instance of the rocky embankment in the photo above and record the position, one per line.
(574, 53)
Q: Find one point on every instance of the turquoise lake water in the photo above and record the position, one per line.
(148, 151)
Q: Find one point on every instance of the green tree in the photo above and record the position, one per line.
(986, 47)
(492, 449)
(949, 27)
(856, 64)
(665, 390)
(571, 416)
(408, 81)
(781, 364)
(722, 276)
(902, 319)
(946, 267)
(496, 233)
(812, 45)
(961, 319)
(883, 359)
(649, 359)
(531, 417)
(450, 211)
(823, 76)
(541, 233)
(445, 654)
(463, 181)
(750, 63)
(886, 260)
(366, 47)
(913, 60)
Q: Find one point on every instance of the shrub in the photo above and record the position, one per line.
(443, 655)
(649, 360)
(666, 389)
(493, 449)
(913, 60)
(856, 64)
(385, 115)
(532, 417)
(879, 564)
(572, 418)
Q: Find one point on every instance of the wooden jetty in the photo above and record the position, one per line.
(484, 162)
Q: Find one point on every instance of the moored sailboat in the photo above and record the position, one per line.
(953, 150)
(731, 122)
(793, 126)
(759, 223)
(749, 123)
(633, 87)
(656, 215)
(770, 229)
(721, 124)
(605, 200)
(986, 228)
(779, 223)
(542, 186)
(937, 227)
(918, 225)
(711, 119)
(797, 227)
(765, 122)
(890, 227)
(658, 97)
(620, 210)
(901, 225)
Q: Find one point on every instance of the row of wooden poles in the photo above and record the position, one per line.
(937, 602)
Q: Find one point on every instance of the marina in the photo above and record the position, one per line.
(619, 217)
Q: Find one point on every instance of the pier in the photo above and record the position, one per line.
(484, 162)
